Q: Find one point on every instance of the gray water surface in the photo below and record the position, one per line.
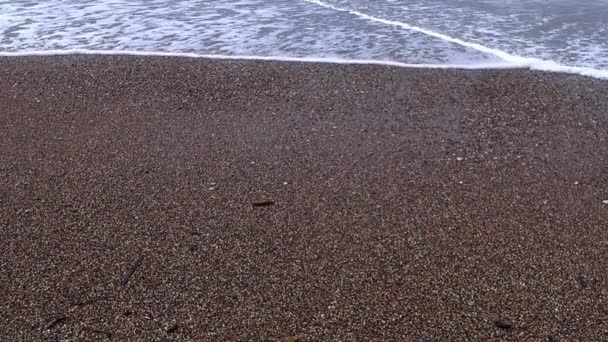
(568, 32)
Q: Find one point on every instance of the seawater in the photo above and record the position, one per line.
(555, 35)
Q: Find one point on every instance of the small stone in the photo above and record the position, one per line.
(291, 339)
(172, 328)
(605, 201)
(262, 203)
(459, 158)
(503, 324)
(583, 280)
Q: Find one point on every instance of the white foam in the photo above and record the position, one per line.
(523, 64)
(301, 31)
(229, 27)
(516, 61)
(261, 58)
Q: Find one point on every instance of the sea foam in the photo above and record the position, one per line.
(299, 31)
(515, 63)
(510, 59)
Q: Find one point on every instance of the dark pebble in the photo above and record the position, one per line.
(172, 328)
(503, 324)
(262, 203)
(583, 280)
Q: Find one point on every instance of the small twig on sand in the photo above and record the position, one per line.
(262, 203)
(90, 301)
(132, 270)
(56, 322)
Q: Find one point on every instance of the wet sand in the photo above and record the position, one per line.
(192, 199)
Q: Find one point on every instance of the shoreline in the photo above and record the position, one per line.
(197, 199)
(525, 63)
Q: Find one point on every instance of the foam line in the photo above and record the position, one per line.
(529, 62)
(501, 54)
(522, 64)
(259, 58)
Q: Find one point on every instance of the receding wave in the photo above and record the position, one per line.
(328, 31)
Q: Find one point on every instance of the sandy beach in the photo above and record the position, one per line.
(158, 198)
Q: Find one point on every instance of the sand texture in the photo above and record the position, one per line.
(190, 199)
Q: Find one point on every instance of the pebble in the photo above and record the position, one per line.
(583, 280)
(262, 203)
(503, 324)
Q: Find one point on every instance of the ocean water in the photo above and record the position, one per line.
(555, 35)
